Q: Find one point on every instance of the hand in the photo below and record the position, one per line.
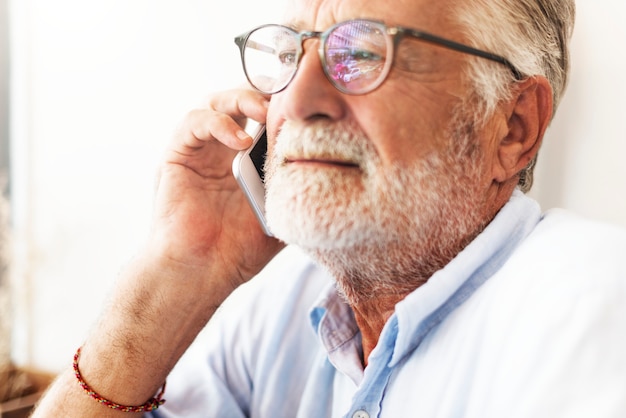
(202, 218)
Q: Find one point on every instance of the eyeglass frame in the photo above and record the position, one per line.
(397, 33)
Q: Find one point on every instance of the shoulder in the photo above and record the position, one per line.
(252, 341)
(564, 243)
(556, 314)
(564, 225)
(565, 282)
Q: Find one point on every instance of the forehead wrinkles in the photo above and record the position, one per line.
(319, 15)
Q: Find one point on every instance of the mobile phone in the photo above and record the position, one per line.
(249, 173)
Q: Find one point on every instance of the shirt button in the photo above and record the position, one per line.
(361, 414)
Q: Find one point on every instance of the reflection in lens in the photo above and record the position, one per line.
(355, 55)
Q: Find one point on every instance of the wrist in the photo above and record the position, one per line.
(150, 405)
(156, 311)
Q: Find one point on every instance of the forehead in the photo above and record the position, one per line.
(321, 14)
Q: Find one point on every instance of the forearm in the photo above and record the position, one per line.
(152, 318)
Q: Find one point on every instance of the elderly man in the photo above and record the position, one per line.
(420, 280)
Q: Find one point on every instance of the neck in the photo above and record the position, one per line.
(372, 284)
(371, 316)
(373, 279)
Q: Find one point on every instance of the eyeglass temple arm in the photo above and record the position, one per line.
(460, 47)
(242, 39)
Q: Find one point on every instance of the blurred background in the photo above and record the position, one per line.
(90, 93)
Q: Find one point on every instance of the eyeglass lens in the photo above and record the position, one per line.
(354, 56)
(269, 57)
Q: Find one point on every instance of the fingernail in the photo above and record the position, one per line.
(242, 135)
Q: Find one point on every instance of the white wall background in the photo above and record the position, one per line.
(582, 166)
(99, 86)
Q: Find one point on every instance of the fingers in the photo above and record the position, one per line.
(240, 103)
(222, 119)
(204, 125)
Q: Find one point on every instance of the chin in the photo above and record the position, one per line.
(318, 209)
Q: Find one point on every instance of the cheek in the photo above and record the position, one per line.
(273, 124)
(404, 131)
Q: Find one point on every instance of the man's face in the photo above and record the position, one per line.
(396, 165)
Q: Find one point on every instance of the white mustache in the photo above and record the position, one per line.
(323, 141)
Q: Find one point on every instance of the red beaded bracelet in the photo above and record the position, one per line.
(151, 405)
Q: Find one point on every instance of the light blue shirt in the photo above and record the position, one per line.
(529, 320)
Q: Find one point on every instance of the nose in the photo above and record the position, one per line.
(310, 95)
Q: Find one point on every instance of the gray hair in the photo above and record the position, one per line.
(533, 35)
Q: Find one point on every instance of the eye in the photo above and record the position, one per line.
(287, 58)
(364, 55)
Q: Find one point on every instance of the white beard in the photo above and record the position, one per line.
(375, 228)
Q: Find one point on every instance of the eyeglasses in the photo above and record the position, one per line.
(356, 55)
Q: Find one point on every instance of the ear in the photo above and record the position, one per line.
(529, 114)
